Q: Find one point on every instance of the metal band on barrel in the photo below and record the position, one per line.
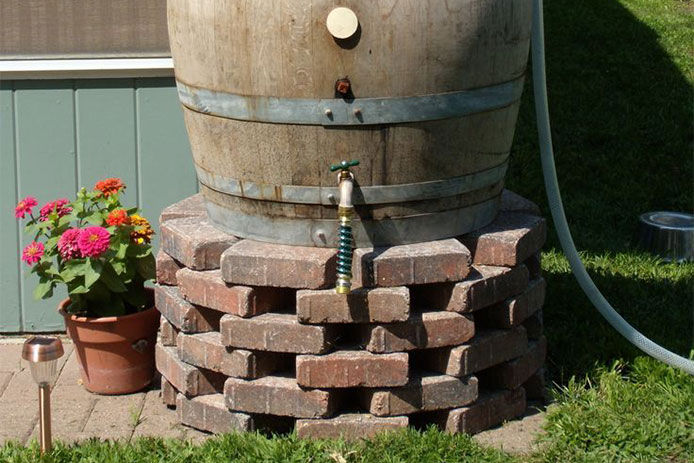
(328, 196)
(367, 233)
(358, 111)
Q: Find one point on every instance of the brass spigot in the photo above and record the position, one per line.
(345, 212)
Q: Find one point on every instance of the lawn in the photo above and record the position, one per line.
(620, 76)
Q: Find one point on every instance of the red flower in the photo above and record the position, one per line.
(67, 244)
(109, 186)
(32, 253)
(61, 208)
(24, 207)
(118, 217)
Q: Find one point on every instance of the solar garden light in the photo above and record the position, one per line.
(42, 353)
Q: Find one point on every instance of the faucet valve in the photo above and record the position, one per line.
(345, 212)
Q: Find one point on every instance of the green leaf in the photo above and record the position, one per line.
(122, 250)
(66, 220)
(136, 297)
(111, 279)
(43, 290)
(51, 244)
(92, 272)
(95, 219)
(81, 289)
(146, 267)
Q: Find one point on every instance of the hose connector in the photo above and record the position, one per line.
(345, 212)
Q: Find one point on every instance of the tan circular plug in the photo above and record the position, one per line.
(342, 23)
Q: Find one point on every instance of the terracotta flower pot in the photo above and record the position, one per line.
(115, 354)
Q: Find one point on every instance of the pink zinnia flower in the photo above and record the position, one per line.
(24, 207)
(67, 244)
(32, 253)
(93, 241)
(60, 206)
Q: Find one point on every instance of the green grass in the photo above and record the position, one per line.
(620, 76)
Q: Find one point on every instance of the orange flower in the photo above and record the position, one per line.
(118, 217)
(109, 186)
(143, 230)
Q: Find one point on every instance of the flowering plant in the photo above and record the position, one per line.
(99, 250)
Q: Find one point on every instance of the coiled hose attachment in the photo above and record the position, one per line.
(345, 212)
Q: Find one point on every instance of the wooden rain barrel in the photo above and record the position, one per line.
(431, 113)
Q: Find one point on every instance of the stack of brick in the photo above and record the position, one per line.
(253, 334)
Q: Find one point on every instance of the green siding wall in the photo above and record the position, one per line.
(59, 135)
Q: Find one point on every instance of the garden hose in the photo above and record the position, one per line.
(557, 208)
(345, 211)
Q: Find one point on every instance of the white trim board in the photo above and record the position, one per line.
(101, 68)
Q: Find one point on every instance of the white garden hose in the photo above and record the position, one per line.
(557, 209)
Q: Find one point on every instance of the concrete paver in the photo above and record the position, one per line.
(79, 414)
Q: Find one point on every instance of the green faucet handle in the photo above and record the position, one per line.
(344, 165)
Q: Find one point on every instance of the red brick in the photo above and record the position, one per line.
(276, 333)
(265, 264)
(508, 241)
(352, 369)
(484, 286)
(423, 393)
(278, 395)
(206, 350)
(167, 332)
(209, 290)
(421, 331)
(182, 314)
(194, 242)
(491, 409)
(534, 325)
(349, 426)
(192, 206)
(486, 349)
(168, 393)
(186, 378)
(536, 386)
(512, 374)
(209, 413)
(513, 202)
(514, 311)
(534, 264)
(411, 264)
(363, 305)
(166, 269)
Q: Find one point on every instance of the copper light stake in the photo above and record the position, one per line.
(42, 353)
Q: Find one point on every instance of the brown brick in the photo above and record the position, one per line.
(352, 369)
(166, 269)
(513, 202)
(534, 325)
(514, 311)
(512, 374)
(209, 290)
(536, 386)
(411, 264)
(264, 264)
(423, 393)
(534, 264)
(278, 395)
(363, 305)
(182, 314)
(508, 241)
(186, 378)
(486, 349)
(168, 393)
(276, 333)
(209, 413)
(192, 206)
(206, 350)
(349, 426)
(421, 331)
(167, 332)
(491, 409)
(194, 242)
(484, 286)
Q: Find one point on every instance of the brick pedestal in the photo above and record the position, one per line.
(254, 336)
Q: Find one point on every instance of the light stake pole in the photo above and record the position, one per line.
(42, 353)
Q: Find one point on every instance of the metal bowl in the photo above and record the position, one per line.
(668, 234)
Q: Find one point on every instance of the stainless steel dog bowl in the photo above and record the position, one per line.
(668, 234)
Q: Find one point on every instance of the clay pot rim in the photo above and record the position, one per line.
(109, 319)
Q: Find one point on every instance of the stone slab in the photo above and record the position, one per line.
(349, 426)
(343, 369)
(182, 314)
(362, 305)
(195, 242)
